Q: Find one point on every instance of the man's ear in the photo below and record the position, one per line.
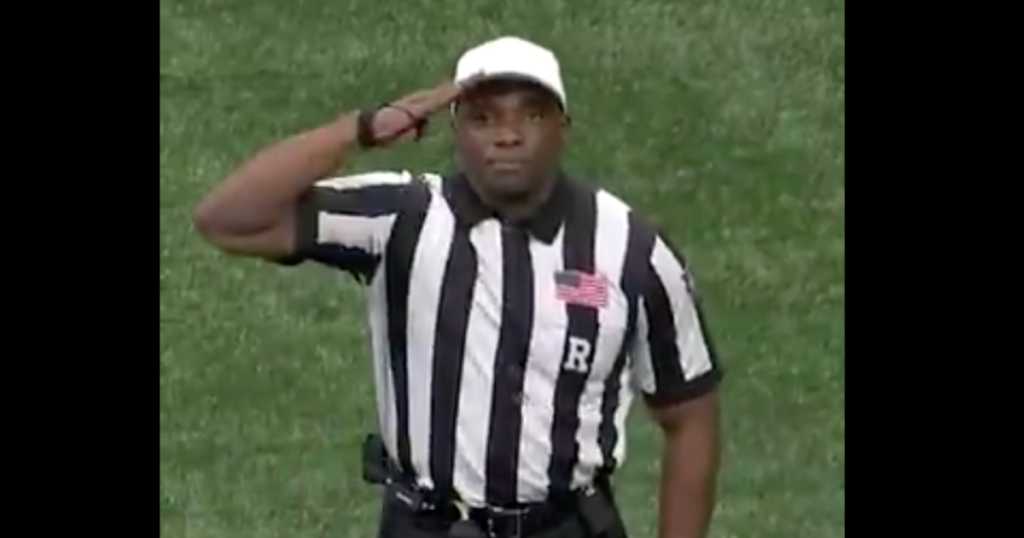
(565, 126)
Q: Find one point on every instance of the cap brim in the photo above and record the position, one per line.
(476, 80)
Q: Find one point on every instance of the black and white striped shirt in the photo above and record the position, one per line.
(506, 358)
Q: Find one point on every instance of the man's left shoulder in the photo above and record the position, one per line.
(611, 203)
(641, 224)
(591, 188)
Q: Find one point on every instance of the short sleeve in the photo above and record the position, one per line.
(345, 222)
(672, 357)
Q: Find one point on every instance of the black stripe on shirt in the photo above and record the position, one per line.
(578, 244)
(673, 385)
(368, 201)
(638, 250)
(365, 201)
(449, 347)
(400, 251)
(510, 368)
(698, 305)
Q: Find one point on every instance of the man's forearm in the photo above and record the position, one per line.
(258, 192)
(688, 482)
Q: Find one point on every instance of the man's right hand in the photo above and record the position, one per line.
(398, 120)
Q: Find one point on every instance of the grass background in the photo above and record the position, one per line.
(723, 119)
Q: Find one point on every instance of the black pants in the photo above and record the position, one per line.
(397, 522)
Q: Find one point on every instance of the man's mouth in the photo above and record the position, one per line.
(506, 165)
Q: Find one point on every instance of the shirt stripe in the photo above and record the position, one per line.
(672, 355)
(597, 410)
(451, 329)
(427, 277)
(515, 334)
(617, 390)
(345, 222)
(475, 405)
(578, 349)
(402, 243)
(539, 384)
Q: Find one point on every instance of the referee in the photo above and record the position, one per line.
(514, 311)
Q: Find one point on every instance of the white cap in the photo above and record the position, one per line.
(512, 57)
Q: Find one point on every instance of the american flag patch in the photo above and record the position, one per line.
(579, 288)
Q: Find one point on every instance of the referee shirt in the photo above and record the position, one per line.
(506, 358)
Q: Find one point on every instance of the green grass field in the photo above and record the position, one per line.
(722, 119)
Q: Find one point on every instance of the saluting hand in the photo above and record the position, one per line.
(404, 118)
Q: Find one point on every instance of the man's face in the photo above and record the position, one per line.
(509, 136)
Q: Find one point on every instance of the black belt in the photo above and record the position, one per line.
(514, 522)
(583, 513)
(435, 511)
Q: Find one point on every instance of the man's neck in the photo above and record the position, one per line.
(519, 209)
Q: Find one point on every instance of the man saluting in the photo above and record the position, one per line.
(514, 311)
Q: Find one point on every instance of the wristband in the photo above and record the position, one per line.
(364, 128)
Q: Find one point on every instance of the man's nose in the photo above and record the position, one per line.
(508, 135)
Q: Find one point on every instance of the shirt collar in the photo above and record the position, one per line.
(470, 210)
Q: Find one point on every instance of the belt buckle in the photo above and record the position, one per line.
(505, 515)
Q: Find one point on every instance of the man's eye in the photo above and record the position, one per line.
(535, 115)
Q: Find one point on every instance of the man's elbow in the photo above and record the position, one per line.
(204, 220)
(220, 229)
(210, 222)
